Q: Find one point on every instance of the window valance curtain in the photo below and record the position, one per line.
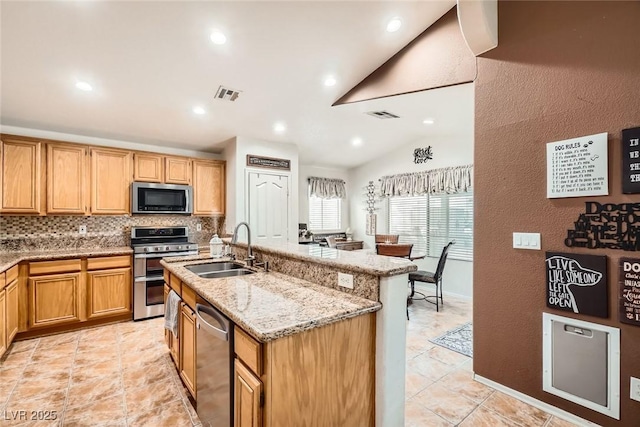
(436, 181)
(327, 188)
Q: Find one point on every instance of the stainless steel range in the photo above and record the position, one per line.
(150, 245)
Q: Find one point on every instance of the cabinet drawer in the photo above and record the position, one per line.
(12, 274)
(49, 267)
(175, 284)
(102, 263)
(189, 297)
(248, 350)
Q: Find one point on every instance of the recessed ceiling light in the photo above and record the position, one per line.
(394, 25)
(279, 127)
(218, 38)
(330, 81)
(428, 121)
(199, 110)
(356, 142)
(84, 86)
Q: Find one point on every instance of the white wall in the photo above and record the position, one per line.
(458, 275)
(303, 191)
(235, 153)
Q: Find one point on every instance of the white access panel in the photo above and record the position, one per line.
(581, 363)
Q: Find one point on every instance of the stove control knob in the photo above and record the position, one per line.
(157, 248)
(146, 249)
(166, 248)
(179, 247)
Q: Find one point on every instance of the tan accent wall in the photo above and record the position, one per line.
(436, 58)
(561, 70)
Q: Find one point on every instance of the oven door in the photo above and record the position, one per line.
(148, 297)
(160, 198)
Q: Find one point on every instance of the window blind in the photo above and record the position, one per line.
(432, 221)
(324, 214)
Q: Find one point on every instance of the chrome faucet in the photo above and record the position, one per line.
(234, 240)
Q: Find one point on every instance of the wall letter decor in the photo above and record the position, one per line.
(421, 155)
(577, 283)
(609, 225)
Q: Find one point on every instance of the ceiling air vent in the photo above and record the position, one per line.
(227, 94)
(383, 115)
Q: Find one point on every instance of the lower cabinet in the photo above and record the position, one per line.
(247, 399)
(11, 310)
(55, 299)
(109, 292)
(172, 341)
(188, 348)
(3, 326)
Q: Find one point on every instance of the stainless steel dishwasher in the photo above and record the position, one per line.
(214, 384)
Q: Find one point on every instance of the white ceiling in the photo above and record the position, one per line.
(150, 63)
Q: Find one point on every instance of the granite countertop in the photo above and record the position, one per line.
(9, 259)
(271, 305)
(357, 261)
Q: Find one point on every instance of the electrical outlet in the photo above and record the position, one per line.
(82, 229)
(198, 227)
(635, 389)
(345, 280)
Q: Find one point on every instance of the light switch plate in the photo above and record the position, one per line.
(198, 227)
(345, 280)
(635, 389)
(82, 229)
(526, 241)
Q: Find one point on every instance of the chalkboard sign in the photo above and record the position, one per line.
(629, 291)
(577, 283)
(268, 162)
(631, 161)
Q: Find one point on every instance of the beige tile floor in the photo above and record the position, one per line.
(122, 375)
(440, 390)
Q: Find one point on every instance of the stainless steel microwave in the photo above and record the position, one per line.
(150, 198)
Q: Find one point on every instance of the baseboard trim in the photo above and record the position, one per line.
(557, 412)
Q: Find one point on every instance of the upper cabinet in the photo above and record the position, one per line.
(147, 167)
(208, 187)
(67, 179)
(177, 170)
(21, 176)
(110, 181)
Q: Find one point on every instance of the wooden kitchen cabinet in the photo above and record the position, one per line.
(55, 299)
(177, 170)
(188, 348)
(11, 298)
(3, 312)
(67, 179)
(148, 167)
(110, 181)
(247, 397)
(20, 176)
(208, 187)
(173, 342)
(109, 292)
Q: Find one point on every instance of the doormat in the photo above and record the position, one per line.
(459, 339)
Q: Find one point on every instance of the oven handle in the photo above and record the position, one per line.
(218, 333)
(166, 254)
(148, 279)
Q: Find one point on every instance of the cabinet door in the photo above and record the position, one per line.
(208, 187)
(66, 179)
(110, 181)
(11, 311)
(3, 325)
(109, 292)
(55, 299)
(247, 397)
(147, 167)
(20, 176)
(188, 348)
(177, 170)
(167, 333)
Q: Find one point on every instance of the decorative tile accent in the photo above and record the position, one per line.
(29, 233)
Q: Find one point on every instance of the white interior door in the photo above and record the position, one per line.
(268, 207)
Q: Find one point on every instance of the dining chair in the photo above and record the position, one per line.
(387, 238)
(429, 277)
(390, 249)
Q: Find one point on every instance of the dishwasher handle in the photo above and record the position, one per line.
(222, 334)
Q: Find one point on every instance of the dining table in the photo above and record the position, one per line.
(415, 255)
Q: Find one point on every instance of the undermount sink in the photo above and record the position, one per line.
(213, 267)
(225, 273)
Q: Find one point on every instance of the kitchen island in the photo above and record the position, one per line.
(310, 275)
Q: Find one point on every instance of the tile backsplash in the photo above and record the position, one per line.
(24, 233)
